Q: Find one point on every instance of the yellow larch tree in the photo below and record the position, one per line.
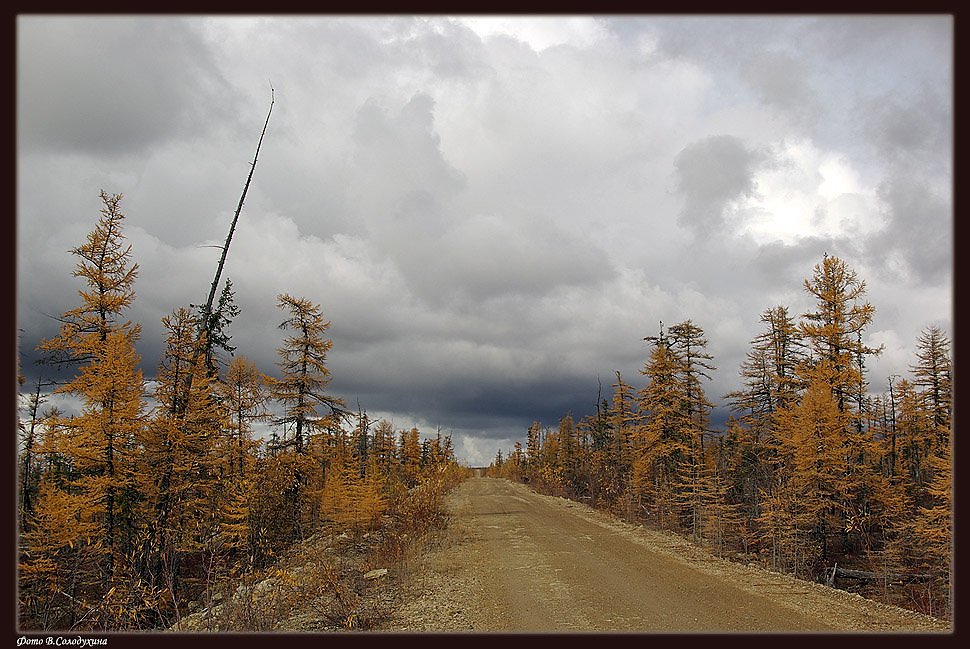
(183, 472)
(770, 383)
(533, 451)
(663, 443)
(934, 527)
(351, 500)
(382, 458)
(833, 334)
(96, 445)
(29, 438)
(409, 452)
(242, 392)
(300, 390)
(816, 434)
(690, 348)
(304, 376)
(625, 422)
(60, 569)
(932, 376)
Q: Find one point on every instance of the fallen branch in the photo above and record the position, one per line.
(865, 575)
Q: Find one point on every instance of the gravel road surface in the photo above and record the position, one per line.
(513, 560)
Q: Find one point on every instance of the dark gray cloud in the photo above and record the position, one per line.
(912, 131)
(114, 85)
(789, 264)
(784, 81)
(711, 173)
(723, 40)
(881, 40)
(403, 152)
(915, 213)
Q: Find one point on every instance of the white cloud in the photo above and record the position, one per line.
(540, 32)
(807, 192)
(480, 451)
(838, 177)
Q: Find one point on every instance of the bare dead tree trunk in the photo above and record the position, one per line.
(207, 309)
(206, 322)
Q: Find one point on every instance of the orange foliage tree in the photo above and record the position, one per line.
(94, 500)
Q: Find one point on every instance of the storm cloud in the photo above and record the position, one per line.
(492, 211)
(131, 89)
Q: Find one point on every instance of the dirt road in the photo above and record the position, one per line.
(516, 561)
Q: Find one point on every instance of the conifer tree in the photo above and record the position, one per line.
(409, 453)
(769, 370)
(815, 445)
(664, 441)
(301, 388)
(933, 525)
(384, 446)
(688, 343)
(833, 331)
(95, 336)
(499, 461)
(777, 526)
(932, 376)
(350, 499)
(624, 419)
(81, 535)
(889, 426)
(183, 471)
(720, 520)
(551, 476)
(361, 435)
(833, 334)
(300, 391)
(61, 568)
(599, 458)
(212, 334)
(569, 452)
(29, 467)
(533, 450)
(243, 391)
(770, 384)
(625, 422)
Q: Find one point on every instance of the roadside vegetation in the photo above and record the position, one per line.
(158, 497)
(814, 475)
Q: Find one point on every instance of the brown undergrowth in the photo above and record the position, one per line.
(337, 580)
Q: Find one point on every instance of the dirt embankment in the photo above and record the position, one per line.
(516, 561)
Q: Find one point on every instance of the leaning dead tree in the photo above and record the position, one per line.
(206, 320)
(209, 320)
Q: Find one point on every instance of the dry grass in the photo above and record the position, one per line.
(320, 584)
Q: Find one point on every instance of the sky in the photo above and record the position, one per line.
(492, 211)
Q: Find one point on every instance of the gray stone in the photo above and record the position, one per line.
(376, 574)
